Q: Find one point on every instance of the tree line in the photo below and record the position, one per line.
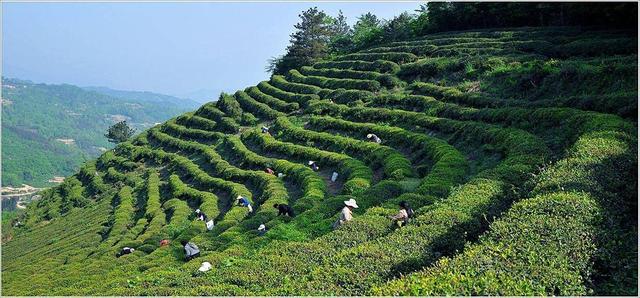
(321, 36)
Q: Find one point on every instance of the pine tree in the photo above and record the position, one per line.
(309, 43)
(367, 30)
(119, 132)
(341, 39)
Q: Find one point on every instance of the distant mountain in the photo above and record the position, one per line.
(201, 95)
(49, 130)
(145, 96)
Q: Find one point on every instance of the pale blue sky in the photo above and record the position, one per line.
(170, 48)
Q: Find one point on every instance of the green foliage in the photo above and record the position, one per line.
(564, 224)
(123, 213)
(308, 43)
(290, 97)
(381, 66)
(517, 189)
(119, 132)
(282, 83)
(397, 57)
(256, 107)
(444, 16)
(36, 117)
(277, 103)
(386, 80)
(222, 122)
(512, 259)
(331, 83)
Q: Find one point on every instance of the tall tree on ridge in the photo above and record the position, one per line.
(119, 132)
(341, 35)
(309, 43)
(367, 30)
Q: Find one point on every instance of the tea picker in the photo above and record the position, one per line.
(374, 138)
(242, 201)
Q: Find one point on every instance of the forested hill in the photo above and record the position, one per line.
(49, 130)
(517, 149)
(146, 96)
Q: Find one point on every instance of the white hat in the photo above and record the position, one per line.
(369, 136)
(351, 203)
(262, 227)
(311, 162)
(133, 249)
(206, 266)
(239, 197)
(197, 210)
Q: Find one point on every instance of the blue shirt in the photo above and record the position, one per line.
(244, 202)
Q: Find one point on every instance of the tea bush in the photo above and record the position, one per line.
(515, 147)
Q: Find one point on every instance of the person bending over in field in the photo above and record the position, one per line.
(242, 201)
(262, 229)
(191, 250)
(200, 215)
(125, 251)
(314, 166)
(346, 213)
(374, 138)
(284, 209)
(403, 216)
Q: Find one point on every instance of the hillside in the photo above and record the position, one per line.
(145, 96)
(50, 130)
(517, 148)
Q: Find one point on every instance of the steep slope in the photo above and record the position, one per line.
(523, 180)
(49, 130)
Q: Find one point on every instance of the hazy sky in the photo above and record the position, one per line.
(170, 48)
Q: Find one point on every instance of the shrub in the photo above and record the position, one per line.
(331, 83)
(397, 57)
(278, 104)
(449, 166)
(349, 167)
(381, 66)
(223, 123)
(206, 201)
(256, 107)
(229, 106)
(90, 177)
(515, 257)
(290, 97)
(154, 214)
(189, 119)
(282, 83)
(349, 96)
(123, 213)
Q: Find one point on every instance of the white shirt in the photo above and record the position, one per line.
(345, 215)
(402, 215)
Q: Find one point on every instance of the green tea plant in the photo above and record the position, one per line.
(516, 148)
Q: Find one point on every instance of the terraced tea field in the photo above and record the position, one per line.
(517, 148)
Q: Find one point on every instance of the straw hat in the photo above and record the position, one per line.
(206, 266)
(351, 203)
